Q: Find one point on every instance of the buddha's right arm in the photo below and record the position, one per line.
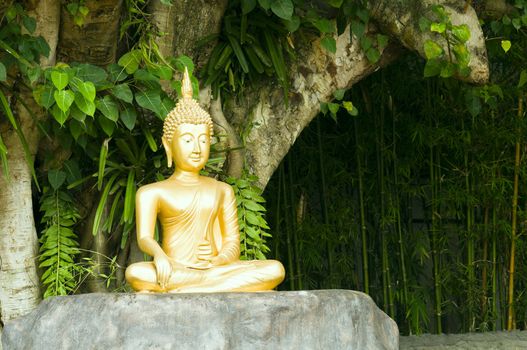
(146, 204)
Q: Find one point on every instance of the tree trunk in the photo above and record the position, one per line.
(19, 282)
(95, 42)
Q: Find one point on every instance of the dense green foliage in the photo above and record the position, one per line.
(414, 199)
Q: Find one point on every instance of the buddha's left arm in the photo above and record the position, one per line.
(228, 219)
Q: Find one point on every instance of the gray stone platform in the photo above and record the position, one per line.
(324, 319)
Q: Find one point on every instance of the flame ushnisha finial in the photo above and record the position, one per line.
(187, 110)
(186, 85)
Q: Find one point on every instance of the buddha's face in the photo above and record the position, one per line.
(190, 147)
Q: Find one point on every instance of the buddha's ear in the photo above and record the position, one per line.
(168, 151)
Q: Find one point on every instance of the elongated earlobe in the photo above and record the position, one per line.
(168, 152)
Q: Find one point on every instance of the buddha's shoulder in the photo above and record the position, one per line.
(222, 186)
(152, 190)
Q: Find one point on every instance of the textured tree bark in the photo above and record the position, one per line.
(400, 18)
(185, 23)
(96, 41)
(19, 283)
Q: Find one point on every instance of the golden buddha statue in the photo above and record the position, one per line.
(200, 250)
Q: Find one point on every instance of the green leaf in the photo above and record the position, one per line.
(506, 45)
(323, 107)
(462, 54)
(366, 43)
(248, 6)
(516, 23)
(461, 33)
(103, 154)
(265, 4)
(432, 49)
(523, 78)
(358, 28)
(324, 25)
(339, 94)
(335, 3)
(163, 72)
(352, 110)
(329, 43)
(123, 92)
(293, 24)
(166, 106)
(447, 70)
(253, 206)
(283, 8)
(128, 117)
(59, 79)
(89, 72)
(107, 125)
(87, 89)
(76, 129)
(382, 41)
(116, 73)
(3, 72)
(184, 61)
(432, 68)
(77, 114)
(84, 105)
(424, 24)
(438, 27)
(130, 61)
(108, 108)
(333, 108)
(129, 198)
(373, 55)
(56, 178)
(30, 23)
(102, 203)
(239, 53)
(363, 15)
(252, 218)
(64, 99)
(59, 115)
(149, 100)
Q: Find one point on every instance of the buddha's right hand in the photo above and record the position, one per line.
(163, 268)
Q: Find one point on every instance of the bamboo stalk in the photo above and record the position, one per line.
(495, 295)
(484, 269)
(435, 252)
(276, 239)
(510, 316)
(365, 273)
(294, 225)
(323, 201)
(290, 257)
(433, 229)
(470, 246)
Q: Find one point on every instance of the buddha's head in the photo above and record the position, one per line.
(187, 131)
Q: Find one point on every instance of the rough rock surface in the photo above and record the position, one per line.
(515, 340)
(325, 319)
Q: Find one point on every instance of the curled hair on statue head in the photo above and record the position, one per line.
(187, 111)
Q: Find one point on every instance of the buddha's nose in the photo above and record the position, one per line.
(196, 149)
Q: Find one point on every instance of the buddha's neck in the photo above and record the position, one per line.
(186, 177)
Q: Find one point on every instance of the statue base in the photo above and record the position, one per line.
(321, 319)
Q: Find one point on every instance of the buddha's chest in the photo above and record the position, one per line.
(188, 202)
